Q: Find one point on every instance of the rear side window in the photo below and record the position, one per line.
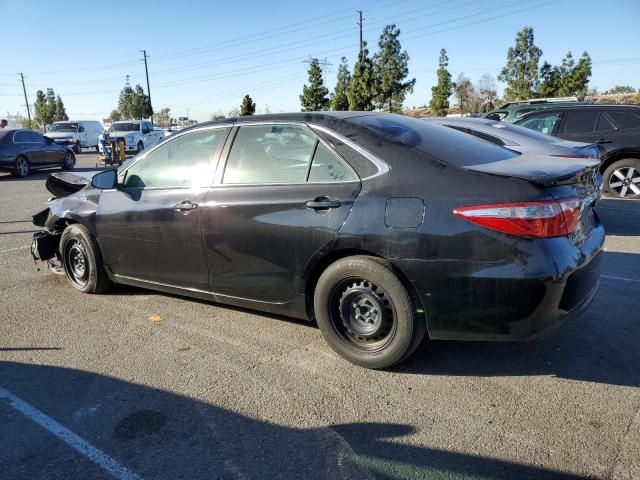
(580, 121)
(327, 167)
(270, 154)
(21, 137)
(604, 124)
(625, 120)
(543, 123)
(446, 144)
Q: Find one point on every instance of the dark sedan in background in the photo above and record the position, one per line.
(614, 128)
(382, 228)
(22, 151)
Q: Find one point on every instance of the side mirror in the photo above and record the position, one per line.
(105, 180)
(146, 130)
(81, 130)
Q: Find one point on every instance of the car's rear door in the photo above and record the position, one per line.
(149, 228)
(588, 125)
(26, 145)
(280, 196)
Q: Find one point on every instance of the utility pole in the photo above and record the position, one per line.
(24, 89)
(360, 25)
(325, 64)
(146, 71)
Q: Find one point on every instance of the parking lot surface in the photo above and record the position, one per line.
(137, 384)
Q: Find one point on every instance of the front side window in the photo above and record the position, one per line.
(35, 137)
(125, 127)
(541, 123)
(64, 127)
(182, 162)
(270, 154)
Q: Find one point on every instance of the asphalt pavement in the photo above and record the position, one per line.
(136, 384)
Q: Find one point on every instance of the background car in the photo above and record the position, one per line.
(24, 150)
(76, 133)
(380, 227)
(614, 128)
(510, 112)
(515, 137)
(137, 134)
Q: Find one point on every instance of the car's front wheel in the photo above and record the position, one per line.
(69, 160)
(366, 314)
(82, 260)
(622, 179)
(21, 167)
(140, 147)
(77, 148)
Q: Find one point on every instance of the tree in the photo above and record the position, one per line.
(60, 111)
(115, 116)
(391, 66)
(361, 90)
(314, 97)
(40, 109)
(566, 79)
(247, 107)
(339, 99)
(521, 71)
(234, 112)
(488, 93)
(216, 116)
(162, 118)
(133, 103)
(125, 102)
(618, 89)
(441, 92)
(638, 96)
(468, 100)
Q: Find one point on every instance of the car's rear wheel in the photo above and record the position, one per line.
(21, 167)
(622, 179)
(77, 148)
(366, 314)
(82, 260)
(69, 160)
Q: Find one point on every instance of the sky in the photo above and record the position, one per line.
(204, 56)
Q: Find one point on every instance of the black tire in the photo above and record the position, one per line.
(616, 187)
(82, 260)
(366, 314)
(97, 149)
(69, 160)
(140, 147)
(77, 148)
(21, 167)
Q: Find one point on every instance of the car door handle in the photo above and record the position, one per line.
(185, 206)
(322, 203)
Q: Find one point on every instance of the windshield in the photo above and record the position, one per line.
(125, 127)
(64, 127)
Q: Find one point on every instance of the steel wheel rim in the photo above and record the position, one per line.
(362, 314)
(22, 166)
(76, 263)
(625, 181)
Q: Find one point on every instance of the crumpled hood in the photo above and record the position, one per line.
(62, 184)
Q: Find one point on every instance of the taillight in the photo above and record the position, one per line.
(544, 219)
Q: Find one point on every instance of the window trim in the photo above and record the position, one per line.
(21, 143)
(214, 160)
(224, 157)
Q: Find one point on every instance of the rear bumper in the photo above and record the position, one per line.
(531, 291)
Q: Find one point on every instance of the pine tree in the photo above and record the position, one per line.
(140, 106)
(566, 79)
(125, 102)
(391, 66)
(40, 109)
(339, 99)
(247, 107)
(115, 116)
(441, 92)
(315, 96)
(60, 113)
(361, 91)
(521, 71)
(578, 82)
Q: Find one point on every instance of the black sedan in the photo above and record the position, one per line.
(24, 150)
(381, 228)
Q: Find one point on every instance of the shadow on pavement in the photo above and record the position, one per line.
(620, 217)
(158, 434)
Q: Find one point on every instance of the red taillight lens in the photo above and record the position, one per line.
(549, 218)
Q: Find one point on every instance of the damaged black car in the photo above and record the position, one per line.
(381, 228)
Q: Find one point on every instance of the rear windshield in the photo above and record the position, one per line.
(446, 144)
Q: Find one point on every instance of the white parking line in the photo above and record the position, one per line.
(622, 279)
(74, 441)
(14, 249)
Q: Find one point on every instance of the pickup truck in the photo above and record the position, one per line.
(137, 134)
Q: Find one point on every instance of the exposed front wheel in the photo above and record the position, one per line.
(82, 260)
(77, 148)
(140, 147)
(622, 179)
(69, 160)
(21, 167)
(365, 313)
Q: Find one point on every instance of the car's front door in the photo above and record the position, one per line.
(280, 197)
(149, 227)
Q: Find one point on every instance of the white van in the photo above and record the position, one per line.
(78, 133)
